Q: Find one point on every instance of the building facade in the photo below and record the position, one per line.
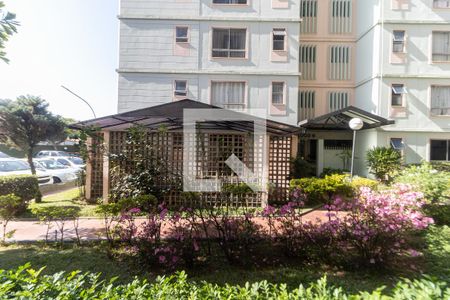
(237, 54)
(299, 59)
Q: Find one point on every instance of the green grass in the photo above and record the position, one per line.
(65, 198)
(94, 257)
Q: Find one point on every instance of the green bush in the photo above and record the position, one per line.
(26, 283)
(433, 184)
(439, 212)
(331, 171)
(321, 190)
(383, 162)
(359, 182)
(23, 186)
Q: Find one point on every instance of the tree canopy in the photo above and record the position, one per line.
(26, 122)
(8, 26)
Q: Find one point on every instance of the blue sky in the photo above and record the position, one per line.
(64, 42)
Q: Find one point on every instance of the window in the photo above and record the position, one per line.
(397, 144)
(337, 100)
(228, 94)
(398, 42)
(307, 105)
(441, 46)
(308, 13)
(279, 39)
(229, 2)
(341, 16)
(440, 150)
(278, 92)
(182, 34)
(398, 90)
(180, 88)
(440, 100)
(339, 63)
(441, 3)
(308, 62)
(230, 43)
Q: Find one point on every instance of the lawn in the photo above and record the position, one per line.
(66, 198)
(435, 262)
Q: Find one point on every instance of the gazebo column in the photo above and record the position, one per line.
(106, 173)
(88, 178)
(294, 146)
(266, 170)
(320, 156)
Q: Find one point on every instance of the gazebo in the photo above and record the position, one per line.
(268, 158)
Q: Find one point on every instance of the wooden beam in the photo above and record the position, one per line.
(106, 173)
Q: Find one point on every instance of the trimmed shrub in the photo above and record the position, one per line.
(322, 190)
(358, 182)
(26, 283)
(23, 186)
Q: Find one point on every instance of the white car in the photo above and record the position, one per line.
(51, 153)
(71, 162)
(59, 172)
(12, 166)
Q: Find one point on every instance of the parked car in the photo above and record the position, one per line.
(11, 166)
(72, 162)
(59, 172)
(3, 155)
(49, 153)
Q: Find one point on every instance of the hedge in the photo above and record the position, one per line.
(23, 186)
(26, 283)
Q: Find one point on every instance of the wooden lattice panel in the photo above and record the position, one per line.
(96, 161)
(167, 148)
(279, 168)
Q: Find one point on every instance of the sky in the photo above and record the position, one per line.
(64, 42)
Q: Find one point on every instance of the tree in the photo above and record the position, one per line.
(26, 122)
(8, 26)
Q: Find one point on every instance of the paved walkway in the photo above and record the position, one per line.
(91, 229)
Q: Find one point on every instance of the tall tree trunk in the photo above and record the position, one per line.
(38, 197)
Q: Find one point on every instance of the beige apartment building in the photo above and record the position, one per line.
(387, 57)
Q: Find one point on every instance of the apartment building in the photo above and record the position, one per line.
(231, 53)
(299, 60)
(403, 73)
(387, 57)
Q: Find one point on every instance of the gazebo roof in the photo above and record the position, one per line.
(170, 115)
(338, 120)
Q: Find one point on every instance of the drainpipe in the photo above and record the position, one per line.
(380, 91)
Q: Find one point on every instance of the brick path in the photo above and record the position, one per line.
(91, 229)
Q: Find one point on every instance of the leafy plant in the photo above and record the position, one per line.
(10, 206)
(301, 168)
(25, 283)
(23, 186)
(434, 184)
(384, 162)
(59, 215)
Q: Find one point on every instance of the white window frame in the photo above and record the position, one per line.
(400, 90)
(439, 7)
(187, 38)
(231, 4)
(447, 154)
(283, 99)
(175, 91)
(284, 33)
(431, 100)
(401, 42)
(432, 50)
(211, 50)
(243, 104)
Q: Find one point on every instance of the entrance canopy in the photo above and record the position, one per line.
(170, 116)
(338, 120)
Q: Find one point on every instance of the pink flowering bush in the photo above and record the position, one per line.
(378, 223)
